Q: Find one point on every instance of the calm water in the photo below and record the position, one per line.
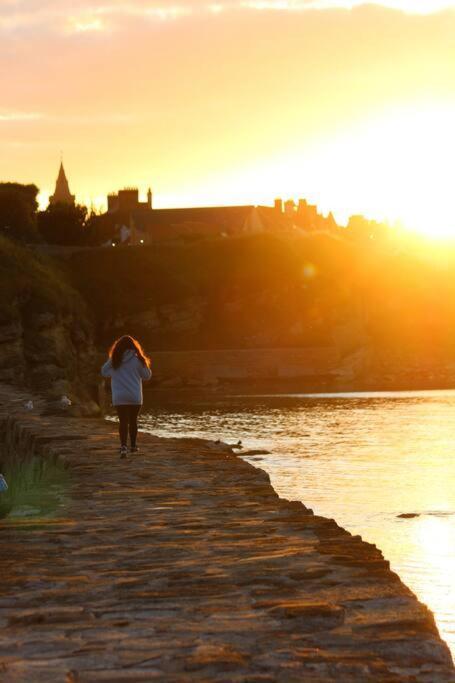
(361, 458)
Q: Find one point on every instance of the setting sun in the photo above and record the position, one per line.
(399, 165)
(347, 104)
(395, 166)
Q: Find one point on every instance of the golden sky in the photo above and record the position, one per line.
(349, 104)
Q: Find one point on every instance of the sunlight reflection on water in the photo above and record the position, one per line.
(363, 459)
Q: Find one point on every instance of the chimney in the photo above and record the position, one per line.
(289, 207)
(278, 205)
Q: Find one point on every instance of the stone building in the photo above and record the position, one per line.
(142, 224)
(134, 222)
(127, 200)
(62, 194)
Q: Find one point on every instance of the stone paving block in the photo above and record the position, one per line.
(182, 564)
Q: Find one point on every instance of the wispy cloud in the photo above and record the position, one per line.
(408, 6)
(19, 116)
(95, 16)
(88, 16)
(87, 25)
(55, 119)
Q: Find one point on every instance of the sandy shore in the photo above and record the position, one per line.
(182, 564)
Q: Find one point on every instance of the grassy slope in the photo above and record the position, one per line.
(249, 283)
(32, 282)
(403, 296)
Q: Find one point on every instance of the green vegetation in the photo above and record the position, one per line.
(58, 224)
(269, 289)
(33, 282)
(242, 284)
(63, 224)
(36, 487)
(18, 207)
(119, 280)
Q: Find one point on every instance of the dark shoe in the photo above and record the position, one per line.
(134, 449)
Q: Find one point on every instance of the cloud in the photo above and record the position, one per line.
(95, 16)
(88, 16)
(407, 6)
(19, 117)
(114, 119)
(87, 26)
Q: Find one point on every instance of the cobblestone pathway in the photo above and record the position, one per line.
(181, 564)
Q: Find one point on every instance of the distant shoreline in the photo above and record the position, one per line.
(289, 389)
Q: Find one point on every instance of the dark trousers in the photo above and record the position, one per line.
(127, 416)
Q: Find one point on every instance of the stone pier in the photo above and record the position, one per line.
(182, 564)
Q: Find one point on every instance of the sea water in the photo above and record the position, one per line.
(362, 458)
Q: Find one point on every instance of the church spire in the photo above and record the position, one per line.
(62, 194)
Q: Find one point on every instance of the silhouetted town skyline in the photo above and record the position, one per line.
(136, 222)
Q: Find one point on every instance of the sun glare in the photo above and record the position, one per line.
(397, 166)
(411, 160)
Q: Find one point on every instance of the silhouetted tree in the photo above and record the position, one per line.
(63, 224)
(99, 229)
(18, 207)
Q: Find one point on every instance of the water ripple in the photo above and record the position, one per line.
(363, 459)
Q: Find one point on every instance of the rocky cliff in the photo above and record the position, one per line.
(46, 340)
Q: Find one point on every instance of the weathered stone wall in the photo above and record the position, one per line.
(52, 354)
(211, 367)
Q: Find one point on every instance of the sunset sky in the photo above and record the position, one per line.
(348, 104)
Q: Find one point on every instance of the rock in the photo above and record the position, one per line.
(258, 451)
(42, 321)
(146, 321)
(44, 375)
(224, 656)
(172, 382)
(115, 676)
(11, 375)
(408, 515)
(11, 354)
(61, 387)
(186, 316)
(313, 616)
(51, 346)
(195, 382)
(48, 615)
(11, 331)
(89, 408)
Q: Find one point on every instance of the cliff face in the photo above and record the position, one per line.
(46, 338)
(261, 292)
(236, 293)
(158, 325)
(51, 354)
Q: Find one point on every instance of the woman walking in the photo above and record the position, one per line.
(128, 367)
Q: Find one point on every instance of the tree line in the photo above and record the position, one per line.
(62, 224)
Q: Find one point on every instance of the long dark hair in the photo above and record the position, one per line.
(121, 345)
